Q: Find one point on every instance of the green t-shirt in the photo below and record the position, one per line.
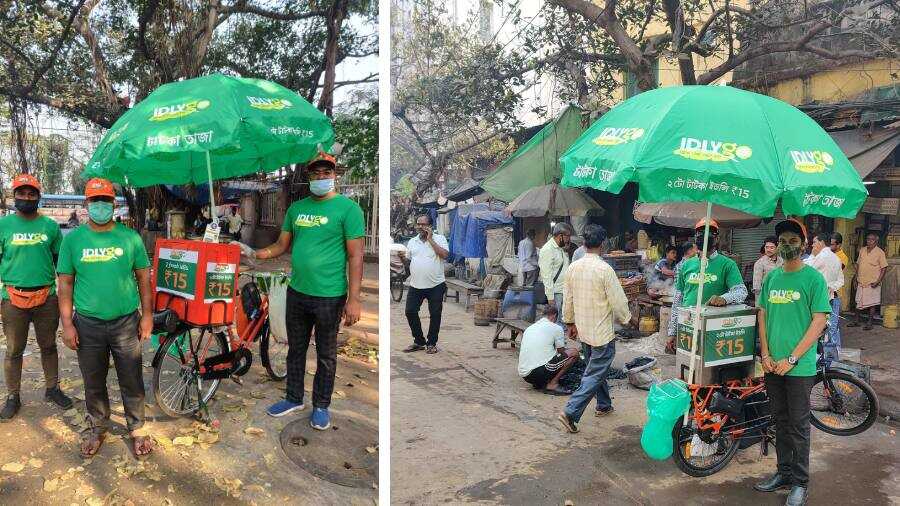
(722, 273)
(27, 248)
(103, 264)
(320, 230)
(789, 300)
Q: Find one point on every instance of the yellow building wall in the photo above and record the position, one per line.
(847, 229)
(839, 84)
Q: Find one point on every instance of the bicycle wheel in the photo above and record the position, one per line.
(397, 290)
(842, 404)
(701, 455)
(176, 386)
(273, 350)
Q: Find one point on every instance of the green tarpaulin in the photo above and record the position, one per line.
(536, 163)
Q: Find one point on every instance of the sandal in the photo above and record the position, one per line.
(142, 445)
(88, 440)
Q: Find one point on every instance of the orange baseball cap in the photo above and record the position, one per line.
(26, 180)
(702, 223)
(791, 224)
(99, 187)
(322, 158)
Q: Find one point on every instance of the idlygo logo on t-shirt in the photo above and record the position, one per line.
(611, 136)
(714, 151)
(812, 161)
(19, 239)
(310, 220)
(90, 255)
(783, 296)
(694, 278)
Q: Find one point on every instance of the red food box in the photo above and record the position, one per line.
(196, 279)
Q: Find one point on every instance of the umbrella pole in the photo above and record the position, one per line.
(212, 197)
(696, 327)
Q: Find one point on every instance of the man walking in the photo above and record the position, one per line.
(528, 259)
(28, 244)
(767, 263)
(427, 252)
(324, 233)
(828, 264)
(98, 265)
(792, 310)
(594, 299)
(871, 265)
(553, 263)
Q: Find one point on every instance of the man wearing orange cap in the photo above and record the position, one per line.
(324, 233)
(723, 285)
(28, 243)
(104, 272)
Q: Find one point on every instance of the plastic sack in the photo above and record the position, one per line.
(278, 306)
(665, 403)
(640, 372)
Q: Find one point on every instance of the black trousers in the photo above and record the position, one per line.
(305, 315)
(789, 402)
(435, 297)
(97, 339)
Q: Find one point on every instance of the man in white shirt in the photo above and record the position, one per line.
(766, 263)
(829, 265)
(543, 356)
(427, 252)
(528, 259)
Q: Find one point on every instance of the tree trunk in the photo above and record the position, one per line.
(335, 19)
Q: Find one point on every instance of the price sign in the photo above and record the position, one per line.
(177, 272)
(220, 282)
(726, 339)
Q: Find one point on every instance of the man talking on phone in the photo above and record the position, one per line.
(427, 252)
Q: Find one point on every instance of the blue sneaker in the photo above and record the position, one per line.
(320, 419)
(283, 407)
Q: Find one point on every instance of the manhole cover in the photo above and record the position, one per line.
(338, 455)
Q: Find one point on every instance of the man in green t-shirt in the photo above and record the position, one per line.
(104, 273)
(724, 284)
(325, 235)
(793, 308)
(28, 243)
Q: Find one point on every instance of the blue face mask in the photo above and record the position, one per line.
(100, 212)
(321, 187)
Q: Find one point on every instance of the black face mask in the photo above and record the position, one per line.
(26, 206)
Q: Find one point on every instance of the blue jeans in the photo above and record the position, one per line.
(558, 302)
(833, 346)
(593, 382)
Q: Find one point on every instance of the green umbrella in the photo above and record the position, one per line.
(718, 145)
(211, 127)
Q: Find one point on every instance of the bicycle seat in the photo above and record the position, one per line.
(165, 321)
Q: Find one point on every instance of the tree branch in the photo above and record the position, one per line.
(241, 7)
(39, 73)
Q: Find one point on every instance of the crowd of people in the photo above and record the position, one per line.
(795, 288)
(95, 283)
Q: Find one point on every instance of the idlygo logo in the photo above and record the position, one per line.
(310, 220)
(269, 104)
(715, 151)
(812, 161)
(611, 136)
(783, 296)
(222, 268)
(694, 278)
(90, 255)
(167, 112)
(176, 254)
(28, 239)
(727, 323)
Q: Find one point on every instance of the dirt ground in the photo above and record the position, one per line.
(466, 428)
(241, 463)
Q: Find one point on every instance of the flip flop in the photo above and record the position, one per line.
(90, 437)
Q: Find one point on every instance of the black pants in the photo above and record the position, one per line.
(789, 401)
(414, 298)
(306, 314)
(96, 340)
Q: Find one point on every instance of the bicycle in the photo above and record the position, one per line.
(197, 358)
(397, 283)
(725, 418)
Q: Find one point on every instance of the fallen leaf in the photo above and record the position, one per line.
(84, 489)
(254, 431)
(51, 485)
(371, 449)
(183, 441)
(163, 441)
(270, 459)
(208, 438)
(12, 467)
(93, 501)
(256, 394)
(36, 463)
(240, 416)
(340, 394)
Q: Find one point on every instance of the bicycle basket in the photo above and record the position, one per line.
(251, 299)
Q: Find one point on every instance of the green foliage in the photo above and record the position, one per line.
(357, 130)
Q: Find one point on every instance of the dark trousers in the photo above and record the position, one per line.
(306, 315)
(435, 297)
(789, 401)
(45, 319)
(97, 339)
